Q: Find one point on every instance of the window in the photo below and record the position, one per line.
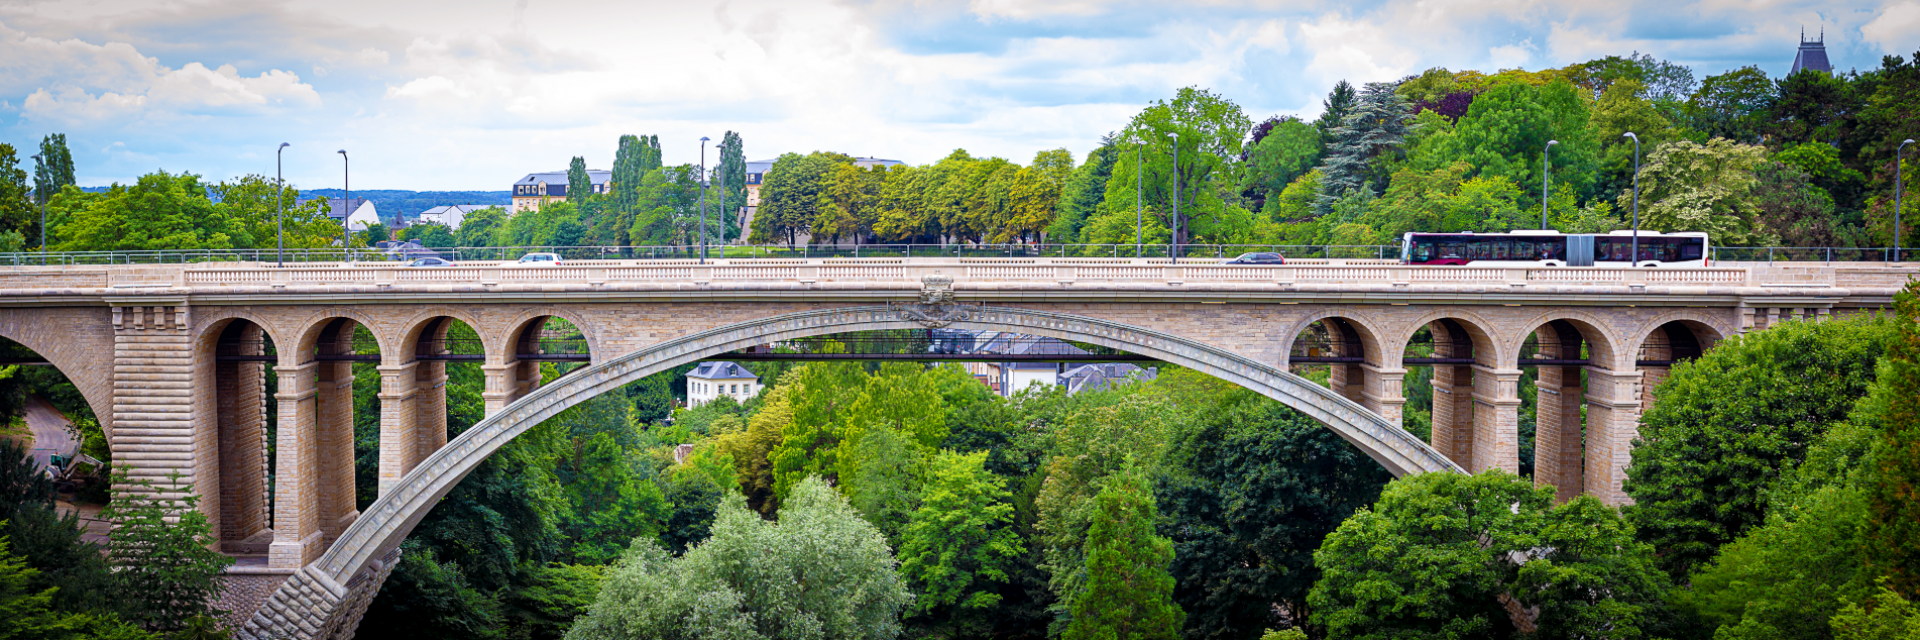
(733, 388)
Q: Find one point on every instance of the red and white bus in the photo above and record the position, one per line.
(1527, 248)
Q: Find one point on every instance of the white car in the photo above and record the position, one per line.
(540, 260)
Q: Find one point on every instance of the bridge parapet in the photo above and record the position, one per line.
(980, 273)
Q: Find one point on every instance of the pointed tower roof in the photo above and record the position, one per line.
(1812, 55)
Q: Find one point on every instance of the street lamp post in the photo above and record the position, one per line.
(703, 199)
(1545, 171)
(1636, 193)
(1139, 218)
(40, 178)
(1898, 188)
(280, 200)
(722, 170)
(1176, 196)
(346, 175)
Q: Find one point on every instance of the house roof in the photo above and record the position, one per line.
(1099, 376)
(721, 370)
(597, 176)
(464, 208)
(1812, 56)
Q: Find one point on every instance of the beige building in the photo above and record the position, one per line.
(537, 189)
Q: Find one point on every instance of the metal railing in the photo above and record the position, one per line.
(508, 254)
(1011, 250)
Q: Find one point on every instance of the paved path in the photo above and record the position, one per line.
(50, 431)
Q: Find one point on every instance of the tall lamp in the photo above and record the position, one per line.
(40, 178)
(1898, 188)
(1636, 194)
(346, 236)
(1176, 196)
(1546, 170)
(280, 200)
(703, 199)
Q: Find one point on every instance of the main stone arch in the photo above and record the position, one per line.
(327, 597)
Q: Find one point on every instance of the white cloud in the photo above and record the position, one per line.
(439, 94)
(1897, 29)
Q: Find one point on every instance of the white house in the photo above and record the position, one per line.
(453, 214)
(713, 379)
(362, 215)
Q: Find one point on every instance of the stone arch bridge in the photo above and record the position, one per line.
(173, 359)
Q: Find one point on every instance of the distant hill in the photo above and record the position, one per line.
(407, 203)
(410, 203)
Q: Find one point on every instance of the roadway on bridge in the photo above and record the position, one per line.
(51, 432)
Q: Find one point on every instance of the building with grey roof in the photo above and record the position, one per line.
(1812, 55)
(714, 378)
(537, 189)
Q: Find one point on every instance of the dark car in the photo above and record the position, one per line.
(1258, 258)
(430, 262)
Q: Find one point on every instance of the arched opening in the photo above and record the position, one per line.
(317, 431)
(1470, 402)
(237, 491)
(1345, 356)
(357, 562)
(1667, 344)
(417, 414)
(1567, 405)
(55, 423)
(542, 348)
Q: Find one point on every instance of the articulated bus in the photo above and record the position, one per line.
(1555, 249)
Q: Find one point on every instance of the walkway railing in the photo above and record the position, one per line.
(1038, 273)
(1195, 252)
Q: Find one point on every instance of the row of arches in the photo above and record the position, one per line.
(306, 432)
(1579, 384)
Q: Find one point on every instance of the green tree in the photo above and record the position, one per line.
(1257, 490)
(1376, 126)
(426, 597)
(1733, 105)
(731, 176)
(480, 227)
(1788, 575)
(28, 613)
(1289, 150)
(1889, 616)
(790, 195)
(164, 572)
(1724, 426)
(1445, 555)
(961, 542)
(1893, 534)
(612, 504)
(1445, 200)
(819, 572)
(1334, 109)
(1081, 194)
(19, 208)
(1212, 132)
(54, 171)
(1686, 186)
(161, 211)
(1091, 444)
(544, 609)
(1128, 592)
(261, 211)
(1506, 131)
(579, 183)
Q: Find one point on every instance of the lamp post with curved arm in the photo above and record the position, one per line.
(1139, 218)
(280, 205)
(703, 199)
(1636, 192)
(1898, 189)
(1175, 237)
(40, 178)
(346, 180)
(1545, 171)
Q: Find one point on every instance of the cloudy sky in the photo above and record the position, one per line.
(475, 93)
